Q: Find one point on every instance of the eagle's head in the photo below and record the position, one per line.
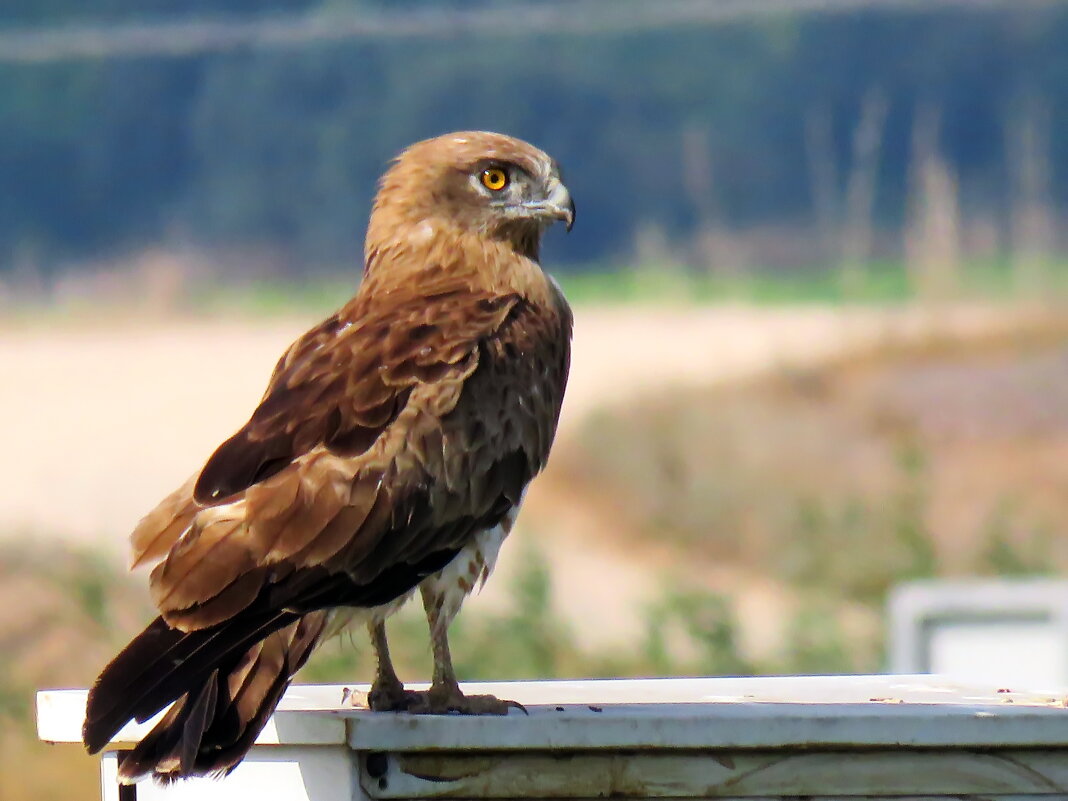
(487, 184)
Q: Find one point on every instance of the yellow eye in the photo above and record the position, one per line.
(494, 178)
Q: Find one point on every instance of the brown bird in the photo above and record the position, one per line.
(391, 451)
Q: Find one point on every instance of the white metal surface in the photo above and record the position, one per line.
(763, 738)
(60, 714)
(665, 713)
(285, 773)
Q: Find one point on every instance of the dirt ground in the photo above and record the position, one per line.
(101, 420)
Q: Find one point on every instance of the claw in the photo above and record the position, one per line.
(443, 702)
(391, 698)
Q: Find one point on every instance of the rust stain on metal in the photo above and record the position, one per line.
(724, 760)
(443, 767)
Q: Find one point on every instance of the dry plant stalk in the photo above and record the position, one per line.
(860, 190)
(932, 234)
(823, 173)
(1033, 232)
(717, 250)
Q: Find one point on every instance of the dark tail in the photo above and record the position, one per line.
(225, 683)
(225, 680)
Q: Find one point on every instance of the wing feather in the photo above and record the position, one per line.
(346, 381)
(323, 472)
(157, 531)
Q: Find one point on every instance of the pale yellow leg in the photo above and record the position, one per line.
(444, 694)
(387, 692)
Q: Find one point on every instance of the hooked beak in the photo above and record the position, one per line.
(557, 205)
(560, 204)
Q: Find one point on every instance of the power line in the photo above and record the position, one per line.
(550, 17)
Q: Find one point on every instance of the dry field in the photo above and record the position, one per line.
(102, 419)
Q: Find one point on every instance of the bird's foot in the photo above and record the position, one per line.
(442, 700)
(390, 696)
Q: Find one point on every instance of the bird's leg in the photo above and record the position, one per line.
(387, 693)
(444, 694)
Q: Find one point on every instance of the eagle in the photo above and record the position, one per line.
(390, 453)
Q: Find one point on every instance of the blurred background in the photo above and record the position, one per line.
(820, 286)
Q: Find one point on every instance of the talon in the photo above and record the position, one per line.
(391, 698)
(440, 702)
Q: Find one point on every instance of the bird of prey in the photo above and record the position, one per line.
(390, 452)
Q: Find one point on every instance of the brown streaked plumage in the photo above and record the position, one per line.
(390, 451)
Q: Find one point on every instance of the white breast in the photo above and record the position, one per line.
(449, 587)
(469, 569)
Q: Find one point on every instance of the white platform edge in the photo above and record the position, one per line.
(60, 714)
(766, 712)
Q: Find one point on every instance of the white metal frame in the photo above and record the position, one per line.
(843, 737)
(917, 606)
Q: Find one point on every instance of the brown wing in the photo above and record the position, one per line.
(343, 383)
(385, 439)
(340, 386)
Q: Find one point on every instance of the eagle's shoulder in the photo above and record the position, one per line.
(345, 381)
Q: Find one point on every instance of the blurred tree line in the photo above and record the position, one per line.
(748, 124)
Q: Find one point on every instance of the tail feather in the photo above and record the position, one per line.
(210, 728)
(225, 680)
(160, 665)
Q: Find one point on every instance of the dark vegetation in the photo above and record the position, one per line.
(673, 130)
